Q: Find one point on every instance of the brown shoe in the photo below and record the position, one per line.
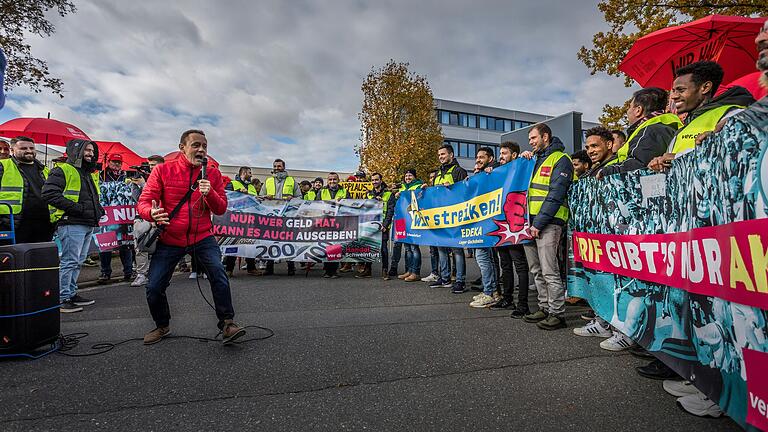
(363, 275)
(231, 332)
(230, 274)
(156, 335)
(404, 275)
(412, 278)
(256, 272)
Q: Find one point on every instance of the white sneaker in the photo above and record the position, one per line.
(139, 281)
(193, 275)
(617, 342)
(431, 278)
(699, 405)
(593, 328)
(483, 301)
(475, 297)
(679, 388)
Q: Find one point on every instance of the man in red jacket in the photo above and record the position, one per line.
(189, 232)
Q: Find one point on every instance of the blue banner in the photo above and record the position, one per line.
(485, 210)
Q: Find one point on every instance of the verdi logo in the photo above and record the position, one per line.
(399, 229)
(756, 363)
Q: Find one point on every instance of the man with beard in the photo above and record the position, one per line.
(279, 186)
(73, 194)
(21, 185)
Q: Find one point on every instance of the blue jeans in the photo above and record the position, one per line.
(207, 254)
(75, 242)
(445, 263)
(126, 258)
(413, 259)
(434, 260)
(487, 269)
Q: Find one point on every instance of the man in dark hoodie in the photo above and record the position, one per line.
(21, 183)
(72, 191)
(548, 213)
(381, 192)
(650, 131)
(692, 93)
(448, 173)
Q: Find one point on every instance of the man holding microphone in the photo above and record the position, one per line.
(198, 192)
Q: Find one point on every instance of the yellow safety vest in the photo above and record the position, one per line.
(686, 137)
(310, 195)
(539, 186)
(325, 194)
(12, 187)
(288, 186)
(447, 177)
(251, 189)
(71, 188)
(384, 198)
(668, 119)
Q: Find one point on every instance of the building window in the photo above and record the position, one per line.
(472, 119)
(444, 115)
(499, 124)
(507, 125)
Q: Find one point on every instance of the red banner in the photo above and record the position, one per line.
(728, 261)
(107, 241)
(118, 215)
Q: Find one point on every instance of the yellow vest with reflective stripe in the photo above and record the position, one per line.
(12, 187)
(686, 137)
(539, 187)
(310, 195)
(384, 198)
(668, 119)
(71, 188)
(447, 177)
(325, 194)
(251, 189)
(288, 186)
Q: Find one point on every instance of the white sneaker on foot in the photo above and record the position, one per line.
(617, 342)
(679, 388)
(483, 301)
(593, 328)
(193, 275)
(699, 405)
(139, 281)
(431, 278)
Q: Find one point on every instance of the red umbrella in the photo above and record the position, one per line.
(212, 163)
(110, 148)
(42, 130)
(751, 82)
(728, 40)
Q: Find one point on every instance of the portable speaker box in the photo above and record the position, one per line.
(29, 282)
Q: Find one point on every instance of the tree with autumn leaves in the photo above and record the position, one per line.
(632, 19)
(399, 128)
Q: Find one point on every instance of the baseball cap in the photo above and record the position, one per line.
(116, 157)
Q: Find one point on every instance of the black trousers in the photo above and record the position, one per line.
(271, 266)
(514, 257)
(230, 261)
(34, 231)
(384, 252)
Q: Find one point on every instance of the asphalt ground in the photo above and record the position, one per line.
(347, 354)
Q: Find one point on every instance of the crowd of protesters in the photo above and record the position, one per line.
(64, 201)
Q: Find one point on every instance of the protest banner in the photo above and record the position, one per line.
(116, 226)
(679, 262)
(485, 210)
(298, 230)
(357, 189)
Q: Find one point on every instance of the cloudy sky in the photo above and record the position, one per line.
(282, 79)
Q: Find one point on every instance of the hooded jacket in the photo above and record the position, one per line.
(561, 178)
(167, 185)
(734, 96)
(649, 143)
(87, 211)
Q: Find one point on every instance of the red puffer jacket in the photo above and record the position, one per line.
(167, 185)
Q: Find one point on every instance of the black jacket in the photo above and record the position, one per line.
(390, 205)
(458, 173)
(87, 211)
(733, 96)
(561, 179)
(31, 194)
(649, 143)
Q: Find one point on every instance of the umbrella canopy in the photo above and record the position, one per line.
(751, 82)
(110, 148)
(212, 163)
(728, 40)
(42, 130)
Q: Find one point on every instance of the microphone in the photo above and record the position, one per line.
(205, 166)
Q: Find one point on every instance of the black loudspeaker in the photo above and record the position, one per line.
(29, 296)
